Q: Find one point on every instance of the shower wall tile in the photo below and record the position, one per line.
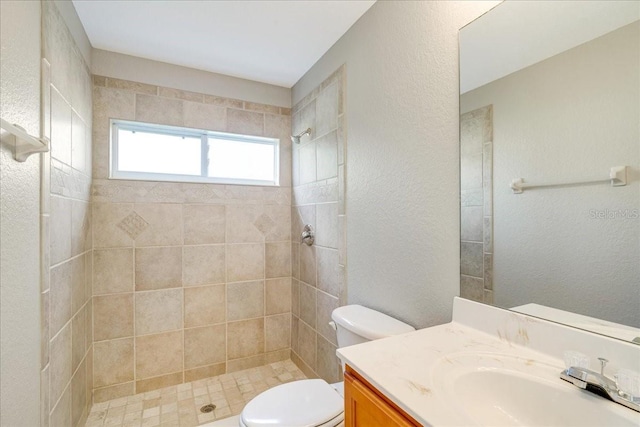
(198, 266)
(204, 346)
(245, 122)
(204, 305)
(245, 262)
(245, 300)
(158, 268)
(66, 232)
(204, 224)
(112, 271)
(113, 316)
(278, 296)
(319, 195)
(158, 311)
(203, 265)
(245, 338)
(159, 354)
(278, 259)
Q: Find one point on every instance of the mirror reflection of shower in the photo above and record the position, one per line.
(296, 138)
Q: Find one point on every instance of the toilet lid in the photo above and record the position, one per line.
(303, 403)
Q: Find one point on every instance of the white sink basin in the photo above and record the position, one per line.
(499, 390)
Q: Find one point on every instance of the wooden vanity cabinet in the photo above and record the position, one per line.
(364, 406)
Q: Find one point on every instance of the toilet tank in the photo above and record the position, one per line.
(356, 324)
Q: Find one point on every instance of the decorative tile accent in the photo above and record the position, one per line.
(133, 224)
(264, 223)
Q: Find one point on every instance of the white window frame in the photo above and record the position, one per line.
(204, 135)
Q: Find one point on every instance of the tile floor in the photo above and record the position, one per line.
(180, 405)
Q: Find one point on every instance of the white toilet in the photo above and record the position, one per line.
(316, 403)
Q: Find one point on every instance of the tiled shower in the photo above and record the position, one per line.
(154, 284)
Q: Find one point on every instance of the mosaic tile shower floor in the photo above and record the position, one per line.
(179, 406)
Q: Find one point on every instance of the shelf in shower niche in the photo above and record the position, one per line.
(24, 144)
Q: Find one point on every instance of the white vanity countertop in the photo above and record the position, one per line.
(412, 369)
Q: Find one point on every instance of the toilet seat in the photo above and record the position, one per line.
(305, 403)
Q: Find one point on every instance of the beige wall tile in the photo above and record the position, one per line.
(295, 259)
(111, 103)
(164, 224)
(307, 344)
(205, 116)
(113, 392)
(261, 107)
(245, 300)
(112, 362)
(80, 227)
(79, 144)
(180, 94)
(245, 122)
(245, 338)
(308, 264)
(295, 297)
(158, 311)
(277, 356)
(223, 102)
(327, 109)
(204, 305)
(44, 329)
(79, 395)
(308, 304)
(327, 364)
(204, 224)
(60, 297)
(203, 265)
(60, 128)
(327, 225)
(242, 222)
(307, 166)
(278, 296)
(157, 383)
(305, 118)
(78, 335)
(204, 346)
(295, 326)
(204, 372)
(329, 278)
(159, 354)
(44, 397)
(132, 86)
(327, 156)
(278, 259)
(107, 225)
(77, 283)
(113, 316)
(153, 109)
(60, 229)
(112, 271)
(325, 306)
(280, 228)
(60, 367)
(245, 363)
(61, 413)
(245, 262)
(158, 268)
(277, 332)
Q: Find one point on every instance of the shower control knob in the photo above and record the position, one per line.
(307, 236)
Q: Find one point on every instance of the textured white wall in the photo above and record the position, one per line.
(117, 65)
(569, 118)
(402, 173)
(19, 218)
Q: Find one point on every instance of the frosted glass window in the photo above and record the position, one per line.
(246, 160)
(151, 152)
(140, 151)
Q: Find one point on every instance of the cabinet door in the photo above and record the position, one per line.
(364, 408)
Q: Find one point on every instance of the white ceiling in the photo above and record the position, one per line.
(517, 34)
(274, 42)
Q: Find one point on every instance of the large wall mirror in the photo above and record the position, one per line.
(549, 109)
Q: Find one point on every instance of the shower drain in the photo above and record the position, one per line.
(208, 408)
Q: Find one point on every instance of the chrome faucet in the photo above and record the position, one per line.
(600, 384)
